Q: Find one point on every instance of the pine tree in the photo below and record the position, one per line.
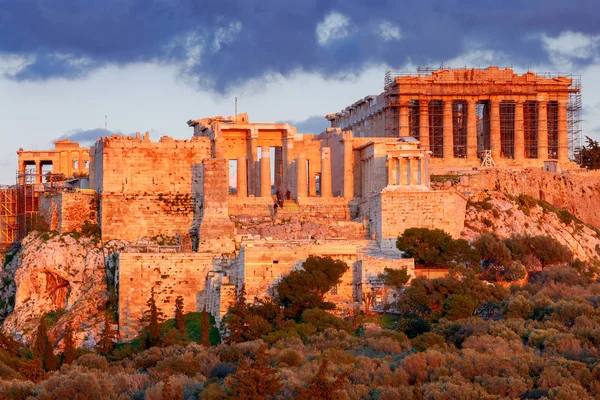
(179, 317)
(256, 381)
(108, 337)
(42, 347)
(320, 387)
(152, 317)
(205, 338)
(235, 320)
(69, 344)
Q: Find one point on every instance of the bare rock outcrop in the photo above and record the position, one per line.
(65, 277)
(505, 216)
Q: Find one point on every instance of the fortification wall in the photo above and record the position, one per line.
(169, 274)
(576, 191)
(67, 212)
(393, 211)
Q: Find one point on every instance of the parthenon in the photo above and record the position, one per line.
(523, 120)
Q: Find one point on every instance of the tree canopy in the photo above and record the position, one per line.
(589, 154)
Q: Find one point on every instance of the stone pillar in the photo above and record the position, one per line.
(348, 170)
(563, 133)
(253, 181)
(242, 179)
(326, 190)
(302, 184)
(265, 172)
(472, 130)
(424, 124)
(38, 172)
(278, 169)
(415, 165)
(519, 145)
(403, 128)
(542, 130)
(288, 148)
(403, 168)
(425, 170)
(391, 170)
(448, 131)
(495, 129)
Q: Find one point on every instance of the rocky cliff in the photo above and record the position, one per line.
(66, 277)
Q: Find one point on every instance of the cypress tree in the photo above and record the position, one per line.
(205, 338)
(42, 347)
(179, 317)
(256, 381)
(152, 316)
(69, 348)
(108, 337)
(236, 317)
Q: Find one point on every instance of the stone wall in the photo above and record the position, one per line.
(67, 212)
(394, 210)
(169, 274)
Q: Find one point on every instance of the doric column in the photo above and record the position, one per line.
(563, 133)
(425, 170)
(519, 149)
(38, 172)
(424, 124)
(348, 170)
(287, 151)
(242, 186)
(391, 169)
(403, 128)
(253, 181)
(472, 130)
(495, 128)
(542, 130)
(326, 172)
(363, 178)
(265, 172)
(302, 184)
(402, 165)
(448, 131)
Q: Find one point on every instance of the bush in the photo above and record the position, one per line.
(458, 306)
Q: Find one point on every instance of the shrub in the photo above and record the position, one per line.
(458, 306)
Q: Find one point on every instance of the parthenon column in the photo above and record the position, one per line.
(242, 186)
(495, 128)
(448, 131)
(563, 133)
(253, 180)
(348, 170)
(265, 172)
(326, 172)
(519, 150)
(542, 130)
(403, 128)
(302, 184)
(424, 124)
(38, 172)
(287, 150)
(472, 130)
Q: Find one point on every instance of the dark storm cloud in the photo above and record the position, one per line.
(314, 124)
(242, 39)
(86, 136)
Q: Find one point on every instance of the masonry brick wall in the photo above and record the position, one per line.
(170, 274)
(67, 212)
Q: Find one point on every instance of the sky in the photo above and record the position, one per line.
(151, 65)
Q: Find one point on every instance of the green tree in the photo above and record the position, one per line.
(179, 315)
(108, 336)
(320, 387)
(395, 277)
(435, 248)
(205, 334)
(69, 344)
(42, 347)
(458, 306)
(152, 317)
(589, 155)
(493, 251)
(254, 381)
(306, 288)
(235, 319)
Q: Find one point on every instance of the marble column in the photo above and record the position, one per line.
(415, 164)
(519, 144)
(391, 170)
(448, 131)
(253, 181)
(38, 172)
(472, 130)
(424, 124)
(265, 172)
(403, 127)
(302, 184)
(563, 133)
(242, 180)
(348, 170)
(543, 130)
(326, 190)
(402, 165)
(495, 129)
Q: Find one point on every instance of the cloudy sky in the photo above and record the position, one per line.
(151, 65)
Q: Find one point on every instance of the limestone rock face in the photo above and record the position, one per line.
(494, 212)
(66, 276)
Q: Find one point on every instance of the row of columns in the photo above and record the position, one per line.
(519, 141)
(405, 170)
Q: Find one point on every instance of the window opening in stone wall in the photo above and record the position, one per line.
(233, 177)
(459, 128)
(436, 128)
(46, 171)
(318, 183)
(482, 111)
(76, 164)
(507, 129)
(413, 119)
(552, 129)
(87, 164)
(530, 128)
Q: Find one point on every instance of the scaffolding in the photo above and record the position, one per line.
(8, 216)
(530, 128)
(574, 118)
(552, 110)
(459, 128)
(507, 129)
